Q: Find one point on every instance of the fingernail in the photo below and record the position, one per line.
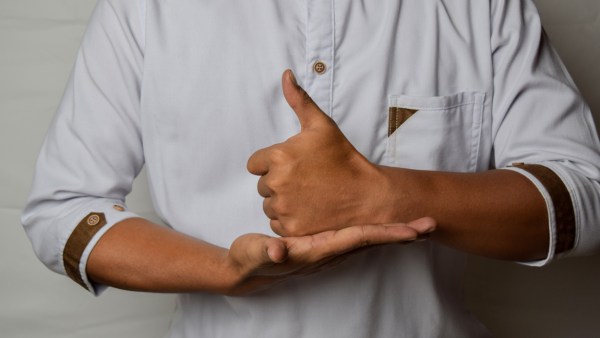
(431, 225)
(293, 78)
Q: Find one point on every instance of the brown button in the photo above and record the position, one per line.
(93, 220)
(320, 67)
(118, 207)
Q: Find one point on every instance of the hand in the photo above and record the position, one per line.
(261, 261)
(316, 180)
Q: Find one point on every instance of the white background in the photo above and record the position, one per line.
(38, 42)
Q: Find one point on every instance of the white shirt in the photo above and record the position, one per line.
(191, 89)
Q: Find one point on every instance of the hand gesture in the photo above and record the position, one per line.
(316, 180)
(261, 261)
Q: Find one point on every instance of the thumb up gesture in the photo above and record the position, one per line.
(316, 180)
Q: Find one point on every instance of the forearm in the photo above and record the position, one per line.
(316, 180)
(136, 254)
(497, 213)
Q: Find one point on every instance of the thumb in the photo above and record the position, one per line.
(252, 251)
(275, 250)
(305, 108)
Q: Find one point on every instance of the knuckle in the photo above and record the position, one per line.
(273, 182)
(365, 240)
(278, 156)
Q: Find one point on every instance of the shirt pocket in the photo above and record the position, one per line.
(435, 133)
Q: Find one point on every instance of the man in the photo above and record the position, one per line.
(457, 110)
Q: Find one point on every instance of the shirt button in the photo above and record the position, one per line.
(320, 67)
(118, 207)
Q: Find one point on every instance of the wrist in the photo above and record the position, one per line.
(396, 195)
(214, 272)
(233, 275)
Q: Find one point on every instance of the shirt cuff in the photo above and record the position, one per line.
(559, 204)
(95, 220)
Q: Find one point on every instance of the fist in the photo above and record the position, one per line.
(316, 180)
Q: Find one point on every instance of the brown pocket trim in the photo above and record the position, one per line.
(397, 116)
(78, 241)
(564, 213)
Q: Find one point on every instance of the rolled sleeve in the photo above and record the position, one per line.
(584, 189)
(93, 150)
(541, 122)
(84, 237)
(559, 206)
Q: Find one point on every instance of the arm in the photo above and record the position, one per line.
(538, 118)
(76, 217)
(496, 213)
(159, 259)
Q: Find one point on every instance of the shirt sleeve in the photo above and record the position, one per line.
(93, 149)
(543, 129)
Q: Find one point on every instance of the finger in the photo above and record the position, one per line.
(258, 163)
(359, 236)
(423, 226)
(256, 250)
(368, 235)
(327, 244)
(263, 187)
(246, 251)
(257, 255)
(277, 227)
(305, 108)
(268, 210)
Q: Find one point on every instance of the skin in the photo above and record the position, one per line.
(160, 259)
(327, 201)
(316, 180)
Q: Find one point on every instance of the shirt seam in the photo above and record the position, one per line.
(332, 68)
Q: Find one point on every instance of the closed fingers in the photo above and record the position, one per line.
(258, 163)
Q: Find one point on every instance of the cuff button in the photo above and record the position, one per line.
(93, 220)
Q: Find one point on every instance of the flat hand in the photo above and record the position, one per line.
(262, 261)
(316, 180)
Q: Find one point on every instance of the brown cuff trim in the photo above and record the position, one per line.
(397, 117)
(78, 241)
(563, 205)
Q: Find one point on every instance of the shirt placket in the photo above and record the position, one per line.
(320, 52)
